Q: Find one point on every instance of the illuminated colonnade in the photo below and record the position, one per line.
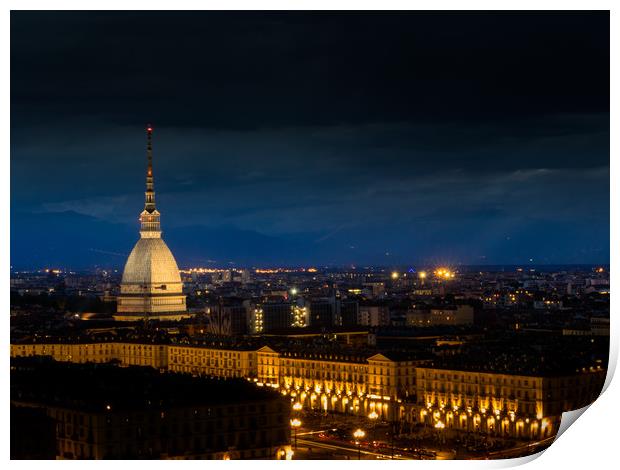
(340, 383)
(509, 405)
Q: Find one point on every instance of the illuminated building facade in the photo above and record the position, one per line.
(300, 316)
(340, 382)
(151, 286)
(266, 317)
(509, 405)
(405, 390)
(219, 362)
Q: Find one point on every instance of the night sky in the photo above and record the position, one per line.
(311, 138)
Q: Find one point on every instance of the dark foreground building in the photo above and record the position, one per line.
(33, 434)
(107, 412)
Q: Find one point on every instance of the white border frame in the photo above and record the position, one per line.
(592, 443)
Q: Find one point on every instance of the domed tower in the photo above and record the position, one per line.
(151, 287)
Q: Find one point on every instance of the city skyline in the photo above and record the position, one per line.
(356, 235)
(415, 141)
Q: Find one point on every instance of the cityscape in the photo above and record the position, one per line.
(404, 355)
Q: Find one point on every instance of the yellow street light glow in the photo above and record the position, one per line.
(395, 275)
(444, 273)
(359, 434)
(297, 406)
(373, 415)
(440, 425)
(422, 274)
(295, 422)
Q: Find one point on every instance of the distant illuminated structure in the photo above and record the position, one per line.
(151, 287)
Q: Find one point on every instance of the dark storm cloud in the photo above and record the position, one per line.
(221, 69)
(472, 136)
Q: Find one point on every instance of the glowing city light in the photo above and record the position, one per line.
(444, 273)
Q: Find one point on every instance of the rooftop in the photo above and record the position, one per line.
(105, 387)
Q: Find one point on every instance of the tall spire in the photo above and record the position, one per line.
(149, 218)
(149, 203)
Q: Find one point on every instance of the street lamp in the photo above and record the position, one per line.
(295, 423)
(439, 426)
(358, 435)
(297, 406)
(373, 415)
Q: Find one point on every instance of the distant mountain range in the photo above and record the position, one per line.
(72, 240)
(76, 241)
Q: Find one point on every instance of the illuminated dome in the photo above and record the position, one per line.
(151, 263)
(151, 287)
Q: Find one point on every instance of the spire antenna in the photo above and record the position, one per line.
(149, 219)
(149, 149)
(149, 204)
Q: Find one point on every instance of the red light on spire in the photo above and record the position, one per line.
(149, 128)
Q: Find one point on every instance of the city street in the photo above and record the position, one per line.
(340, 450)
(332, 436)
